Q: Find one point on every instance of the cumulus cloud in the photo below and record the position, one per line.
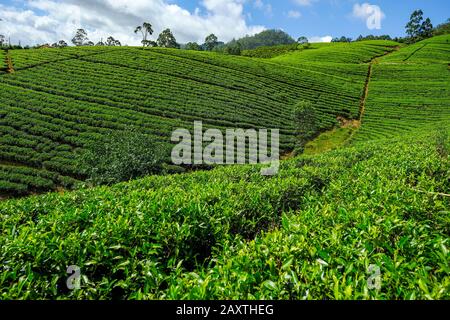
(46, 21)
(294, 14)
(372, 14)
(320, 39)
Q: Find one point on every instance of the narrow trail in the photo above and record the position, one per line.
(365, 96)
(362, 106)
(9, 64)
(415, 51)
(355, 124)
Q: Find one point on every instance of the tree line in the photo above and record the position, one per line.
(418, 28)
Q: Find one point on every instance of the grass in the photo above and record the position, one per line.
(329, 140)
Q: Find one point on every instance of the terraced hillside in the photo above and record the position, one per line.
(408, 90)
(317, 230)
(2, 61)
(57, 100)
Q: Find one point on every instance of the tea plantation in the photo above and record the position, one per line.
(409, 89)
(47, 117)
(312, 232)
(317, 230)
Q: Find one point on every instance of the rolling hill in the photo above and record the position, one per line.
(312, 232)
(46, 116)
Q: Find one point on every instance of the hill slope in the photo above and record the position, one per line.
(408, 90)
(315, 231)
(60, 99)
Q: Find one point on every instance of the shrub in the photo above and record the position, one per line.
(305, 123)
(121, 156)
(443, 143)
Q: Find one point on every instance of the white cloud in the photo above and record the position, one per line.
(294, 14)
(266, 7)
(320, 39)
(58, 19)
(372, 14)
(304, 3)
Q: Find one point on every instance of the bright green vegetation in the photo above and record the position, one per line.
(309, 233)
(408, 90)
(433, 50)
(59, 100)
(329, 140)
(358, 52)
(344, 60)
(24, 59)
(270, 52)
(2, 61)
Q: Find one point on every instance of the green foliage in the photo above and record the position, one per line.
(442, 29)
(121, 156)
(443, 143)
(265, 39)
(417, 28)
(342, 39)
(193, 46)
(310, 233)
(111, 42)
(233, 49)
(421, 70)
(329, 140)
(211, 42)
(270, 52)
(167, 40)
(305, 120)
(372, 37)
(46, 116)
(302, 40)
(80, 38)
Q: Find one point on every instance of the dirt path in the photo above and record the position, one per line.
(415, 51)
(353, 125)
(362, 105)
(9, 64)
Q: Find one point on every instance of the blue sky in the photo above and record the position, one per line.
(40, 21)
(334, 17)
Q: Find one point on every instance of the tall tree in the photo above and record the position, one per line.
(193, 46)
(302, 40)
(426, 29)
(414, 24)
(211, 42)
(234, 49)
(111, 42)
(417, 28)
(167, 40)
(2, 40)
(80, 38)
(62, 44)
(146, 30)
